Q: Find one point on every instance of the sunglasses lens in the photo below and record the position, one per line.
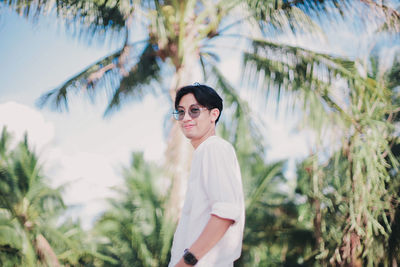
(194, 112)
(179, 115)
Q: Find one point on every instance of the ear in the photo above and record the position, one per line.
(214, 114)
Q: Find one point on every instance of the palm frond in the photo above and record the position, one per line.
(240, 117)
(72, 244)
(391, 22)
(133, 85)
(262, 182)
(7, 189)
(9, 235)
(297, 15)
(4, 143)
(393, 75)
(136, 223)
(28, 8)
(280, 16)
(284, 57)
(110, 75)
(294, 69)
(87, 18)
(85, 80)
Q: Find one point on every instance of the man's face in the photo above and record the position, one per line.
(196, 129)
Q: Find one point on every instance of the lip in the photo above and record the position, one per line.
(188, 126)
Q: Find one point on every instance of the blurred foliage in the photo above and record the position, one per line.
(29, 211)
(348, 180)
(135, 229)
(26, 205)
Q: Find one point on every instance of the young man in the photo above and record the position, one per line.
(210, 229)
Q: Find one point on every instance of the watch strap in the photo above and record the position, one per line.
(189, 258)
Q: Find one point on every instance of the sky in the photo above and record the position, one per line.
(80, 149)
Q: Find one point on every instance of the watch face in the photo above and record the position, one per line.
(189, 258)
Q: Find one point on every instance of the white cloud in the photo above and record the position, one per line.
(85, 152)
(20, 119)
(284, 143)
(87, 179)
(231, 68)
(91, 151)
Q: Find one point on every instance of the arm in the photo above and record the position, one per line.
(212, 233)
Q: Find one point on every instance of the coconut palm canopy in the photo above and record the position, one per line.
(180, 34)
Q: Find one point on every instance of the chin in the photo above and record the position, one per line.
(189, 135)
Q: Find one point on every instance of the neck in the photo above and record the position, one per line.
(197, 142)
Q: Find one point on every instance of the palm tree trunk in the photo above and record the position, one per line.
(355, 244)
(351, 240)
(179, 150)
(317, 222)
(45, 251)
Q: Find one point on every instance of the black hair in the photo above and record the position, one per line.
(205, 96)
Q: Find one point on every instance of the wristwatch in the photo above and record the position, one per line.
(189, 258)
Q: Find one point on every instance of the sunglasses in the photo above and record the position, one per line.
(194, 112)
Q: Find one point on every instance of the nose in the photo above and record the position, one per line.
(186, 117)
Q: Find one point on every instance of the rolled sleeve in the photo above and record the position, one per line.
(226, 211)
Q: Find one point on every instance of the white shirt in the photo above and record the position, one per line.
(214, 187)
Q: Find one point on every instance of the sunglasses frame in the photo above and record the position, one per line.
(178, 116)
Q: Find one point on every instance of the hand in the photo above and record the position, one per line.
(182, 263)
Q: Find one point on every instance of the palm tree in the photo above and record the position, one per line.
(135, 228)
(11, 241)
(346, 179)
(75, 246)
(30, 213)
(27, 202)
(273, 234)
(389, 74)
